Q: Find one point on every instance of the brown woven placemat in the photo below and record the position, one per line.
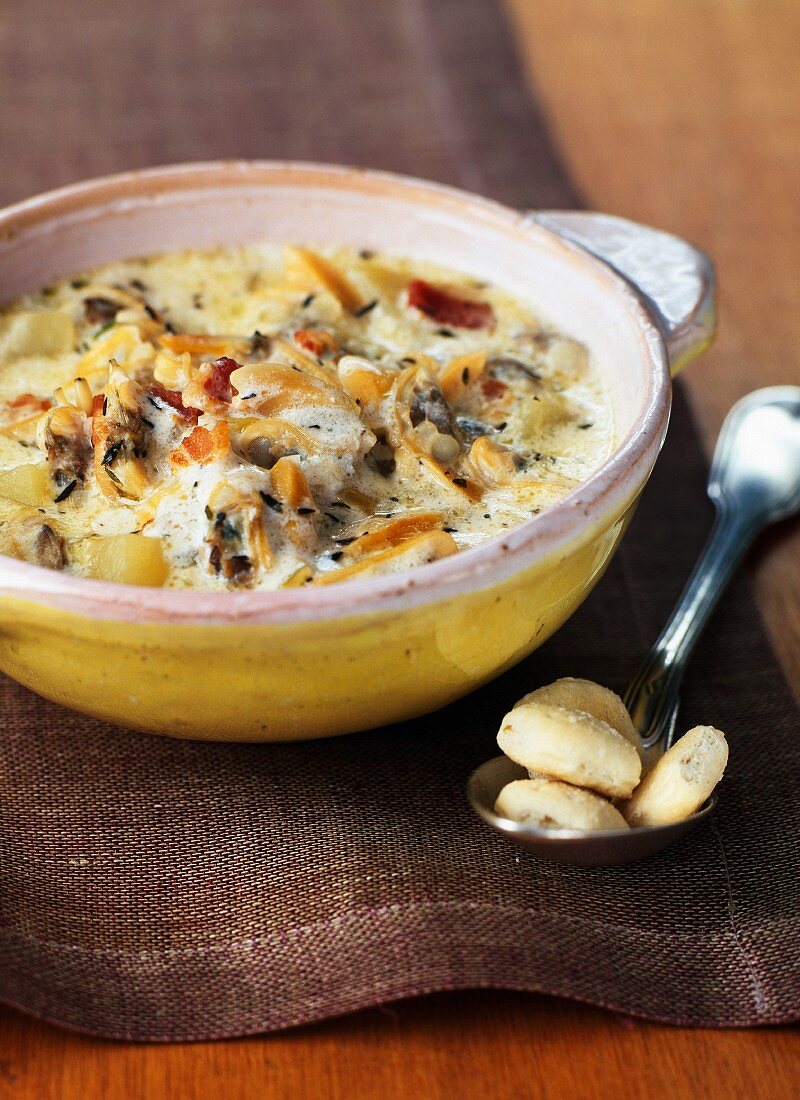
(171, 890)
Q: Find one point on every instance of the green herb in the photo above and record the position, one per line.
(104, 328)
(364, 310)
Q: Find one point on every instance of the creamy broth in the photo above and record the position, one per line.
(261, 417)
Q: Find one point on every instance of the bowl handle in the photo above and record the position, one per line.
(674, 279)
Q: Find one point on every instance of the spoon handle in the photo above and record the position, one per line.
(652, 697)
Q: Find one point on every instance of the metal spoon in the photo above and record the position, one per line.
(754, 481)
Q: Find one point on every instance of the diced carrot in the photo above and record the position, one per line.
(290, 486)
(202, 446)
(317, 341)
(461, 372)
(393, 532)
(198, 343)
(308, 269)
(427, 547)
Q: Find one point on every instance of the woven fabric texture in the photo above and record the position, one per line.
(153, 889)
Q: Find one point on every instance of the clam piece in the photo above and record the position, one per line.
(63, 435)
(493, 463)
(507, 369)
(265, 440)
(119, 436)
(50, 548)
(428, 403)
(77, 393)
(27, 538)
(237, 539)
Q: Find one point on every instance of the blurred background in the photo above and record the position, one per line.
(681, 113)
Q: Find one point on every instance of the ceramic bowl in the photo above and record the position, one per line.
(302, 663)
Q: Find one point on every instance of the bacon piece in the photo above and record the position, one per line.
(217, 382)
(317, 341)
(29, 401)
(446, 308)
(174, 399)
(492, 388)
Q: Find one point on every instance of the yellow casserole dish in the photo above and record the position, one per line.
(299, 663)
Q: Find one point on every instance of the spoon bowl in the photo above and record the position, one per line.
(576, 847)
(757, 457)
(754, 481)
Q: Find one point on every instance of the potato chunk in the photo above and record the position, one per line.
(28, 484)
(36, 332)
(127, 559)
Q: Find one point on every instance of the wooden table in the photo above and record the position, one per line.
(685, 114)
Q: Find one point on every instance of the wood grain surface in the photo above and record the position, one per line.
(683, 113)
(508, 1046)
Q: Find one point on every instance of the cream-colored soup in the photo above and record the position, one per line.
(261, 417)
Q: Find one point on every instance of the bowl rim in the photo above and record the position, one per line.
(607, 492)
